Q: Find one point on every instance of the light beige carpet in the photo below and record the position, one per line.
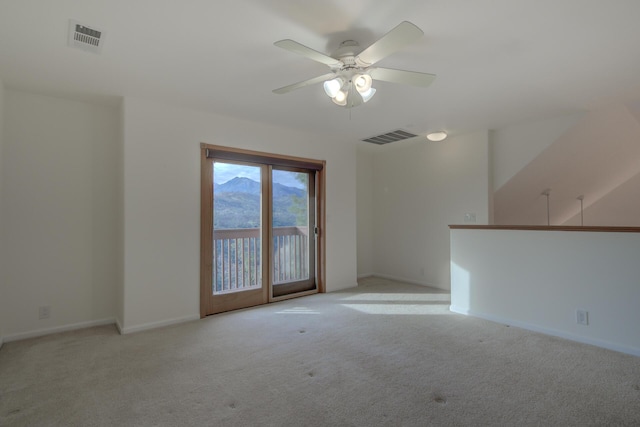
(383, 354)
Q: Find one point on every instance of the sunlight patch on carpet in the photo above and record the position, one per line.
(401, 309)
(399, 297)
(298, 310)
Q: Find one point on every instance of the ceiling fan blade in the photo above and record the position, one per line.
(402, 35)
(304, 83)
(413, 78)
(293, 46)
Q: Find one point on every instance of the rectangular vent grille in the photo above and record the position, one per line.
(396, 135)
(85, 38)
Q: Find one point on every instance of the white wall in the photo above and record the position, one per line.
(515, 146)
(593, 158)
(420, 188)
(619, 207)
(538, 279)
(58, 213)
(162, 204)
(365, 209)
(2, 279)
(119, 171)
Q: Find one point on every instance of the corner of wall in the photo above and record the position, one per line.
(364, 212)
(491, 179)
(119, 314)
(420, 189)
(76, 142)
(515, 146)
(2, 280)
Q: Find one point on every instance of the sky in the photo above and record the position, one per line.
(224, 172)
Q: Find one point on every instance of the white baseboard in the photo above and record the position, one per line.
(343, 287)
(407, 280)
(364, 276)
(547, 331)
(154, 325)
(81, 325)
(57, 329)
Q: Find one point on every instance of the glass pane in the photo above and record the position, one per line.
(236, 227)
(290, 226)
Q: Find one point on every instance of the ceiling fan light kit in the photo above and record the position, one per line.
(350, 81)
(367, 95)
(341, 97)
(340, 90)
(332, 87)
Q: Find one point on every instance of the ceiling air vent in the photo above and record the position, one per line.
(86, 38)
(396, 135)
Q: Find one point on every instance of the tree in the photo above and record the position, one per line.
(299, 204)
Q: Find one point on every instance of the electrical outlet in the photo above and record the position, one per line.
(582, 317)
(44, 312)
(470, 217)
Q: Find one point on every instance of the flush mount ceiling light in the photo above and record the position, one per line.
(349, 83)
(437, 136)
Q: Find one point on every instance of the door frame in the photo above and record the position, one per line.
(207, 153)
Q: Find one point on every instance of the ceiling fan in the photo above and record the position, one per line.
(349, 83)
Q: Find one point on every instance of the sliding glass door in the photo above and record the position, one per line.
(259, 230)
(292, 231)
(238, 235)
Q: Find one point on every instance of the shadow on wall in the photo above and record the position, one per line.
(542, 280)
(598, 158)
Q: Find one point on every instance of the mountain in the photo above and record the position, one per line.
(280, 190)
(236, 210)
(239, 185)
(237, 204)
(247, 185)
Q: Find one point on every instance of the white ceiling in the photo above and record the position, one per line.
(498, 62)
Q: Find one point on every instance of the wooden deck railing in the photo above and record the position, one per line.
(290, 254)
(237, 257)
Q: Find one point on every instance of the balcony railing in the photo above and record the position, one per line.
(290, 254)
(237, 257)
